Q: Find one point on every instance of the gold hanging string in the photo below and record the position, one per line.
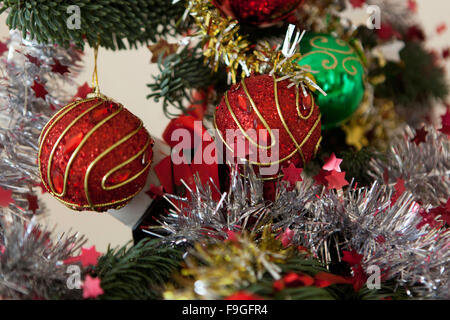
(94, 74)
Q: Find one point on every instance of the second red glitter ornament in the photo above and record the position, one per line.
(258, 12)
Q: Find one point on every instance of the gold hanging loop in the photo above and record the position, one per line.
(95, 85)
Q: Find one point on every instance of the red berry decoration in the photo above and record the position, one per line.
(94, 155)
(264, 102)
(258, 12)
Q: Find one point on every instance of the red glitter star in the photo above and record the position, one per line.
(91, 287)
(32, 203)
(412, 5)
(292, 174)
(357, 3)
(39, 90)
(83, 91)
(59, 68)
(286, 237)
(446, 122)
(5, 197)
(420, 136)
(3, 48)
(441, 28)
(87, 257)
(336, 180)
(352, 257)
(399, 189)
(320, 177)
(33, 60)
(332, 163)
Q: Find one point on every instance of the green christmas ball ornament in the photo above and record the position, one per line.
(340, 74)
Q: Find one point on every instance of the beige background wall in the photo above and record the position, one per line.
(124, 75)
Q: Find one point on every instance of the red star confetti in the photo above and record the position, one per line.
(420, 136)
(446, 122)
(385, 32)
(43, 189)
(415, 33)
(231, 236)
(39, 90)
(446, 53)
(292, 174)
(5, 197)
(336, 180)
(412, 5)
(155, 192)
(441, 28)
(357, 3)
(359, 278)
(293, 279)
(87, 257)
(243, 295)
(428, 218)
(3, 48)
(352, 257)
(399, 189)
(33, 60)
(286, 237)
(83, 91)
(320, 177)
(324, 279)
(332, 163)
(91, 287)
(57, 67)
(32, 203)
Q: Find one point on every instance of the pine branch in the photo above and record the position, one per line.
(356, 164)
(180, 73)
(137, 273)
(114, 21)
(416, 81)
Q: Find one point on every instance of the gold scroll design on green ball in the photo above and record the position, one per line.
(91, 205)
(333, 63)
(269, 130)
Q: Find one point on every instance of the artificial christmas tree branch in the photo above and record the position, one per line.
(115, 21)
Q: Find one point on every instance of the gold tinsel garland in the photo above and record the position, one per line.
(224, 44)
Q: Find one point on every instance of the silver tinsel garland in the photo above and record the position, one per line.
(23, 115)
(425, 167)
(387, 231)
(199, 215)
(30, 263)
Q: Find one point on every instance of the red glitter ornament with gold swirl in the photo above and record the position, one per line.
(265, 102)
(94, 155)
(258, 12)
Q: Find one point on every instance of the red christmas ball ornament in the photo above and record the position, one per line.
(94, 155)
(278, 124)
(258, 12)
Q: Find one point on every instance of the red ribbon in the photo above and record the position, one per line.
(170, 174)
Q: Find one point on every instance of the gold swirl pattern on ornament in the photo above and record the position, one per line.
(59, 115)
(252, 103)
(325, 63)
(76, 206)
(323, 39)
(354, 70)
(52, 153)
(297, 104)
(283, 122)
(317, 146)
(44, 132)
(107, 151)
